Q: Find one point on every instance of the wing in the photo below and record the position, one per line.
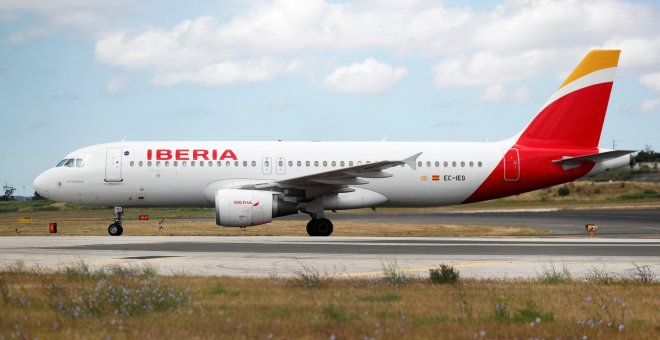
(333, 181)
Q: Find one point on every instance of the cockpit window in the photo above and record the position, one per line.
(72, 162)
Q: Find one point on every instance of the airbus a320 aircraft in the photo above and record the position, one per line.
(250, 183)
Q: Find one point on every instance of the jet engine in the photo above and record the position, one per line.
(244, 208)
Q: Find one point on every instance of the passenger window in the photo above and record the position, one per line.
(307, 163)
(453, 164)
(290, 163)
(192, 163)
(254, 164)
(299, 163)
(219, 163)
(316, 163)
(236, 163)
(149, 164)
(462, 164)
(132, 164)
(350, 163)
(437, 164)
(446, 164)
(210, 164)
(334, 163)
(280, 163)
(266, 163)
(245, 163)
(140, 163)
(184, 164)
(167, 163)
(157, 163)
(175, 164)
(201, 163)
(341, 163)
(479, 164)
(325, 163)
(471, 164)
(419, 164)
(428, 164)
(228, 163)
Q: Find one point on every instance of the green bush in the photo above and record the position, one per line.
(444, 274)
(563, 191)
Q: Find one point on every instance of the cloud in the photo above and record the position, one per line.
(116, 85)
(514, 41)
(651, 80)
(225, 73)
(650, 105)
(365, 78)
(493, 93)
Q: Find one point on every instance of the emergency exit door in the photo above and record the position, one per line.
(266, 165)
(511, 165)
(113, 165)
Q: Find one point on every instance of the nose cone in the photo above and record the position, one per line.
(40, 185)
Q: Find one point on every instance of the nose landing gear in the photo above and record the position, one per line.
(115, 229)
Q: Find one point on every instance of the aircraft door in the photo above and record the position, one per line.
(113, 165)
(266, 165)
(511, 165)
(281, 166)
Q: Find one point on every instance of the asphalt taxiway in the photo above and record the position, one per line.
(335, 256)
(560, 222)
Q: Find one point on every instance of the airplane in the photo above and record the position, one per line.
(250, 183)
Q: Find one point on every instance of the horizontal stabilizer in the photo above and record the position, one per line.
(596, 157)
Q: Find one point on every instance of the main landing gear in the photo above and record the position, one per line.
(319, 227)
(115, 229)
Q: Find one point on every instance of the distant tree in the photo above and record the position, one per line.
(37, 197)
(563, 191)
(647, 155)
(9, 193)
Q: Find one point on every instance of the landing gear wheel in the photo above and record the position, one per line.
(115, 229)
(319, 227)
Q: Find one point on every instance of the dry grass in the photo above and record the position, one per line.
(90, 227)
(224, 307)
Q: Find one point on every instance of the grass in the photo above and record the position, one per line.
(137, 303)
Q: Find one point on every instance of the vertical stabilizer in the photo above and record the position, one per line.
(574, 115)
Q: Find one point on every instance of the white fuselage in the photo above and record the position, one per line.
(446, 173)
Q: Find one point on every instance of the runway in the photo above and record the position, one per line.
(335, 256)
(560, 222)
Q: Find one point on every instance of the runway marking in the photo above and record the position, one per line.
(116, 262)
(417, 269)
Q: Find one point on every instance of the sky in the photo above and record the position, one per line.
(80, 72)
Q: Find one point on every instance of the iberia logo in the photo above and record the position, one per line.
(256, 204)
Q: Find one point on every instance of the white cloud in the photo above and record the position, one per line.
(522, 94)
(512, 42)
(116, 85)
(494, 93)
(225, 73)
(651, 80)
(365, 78)
(650, 105)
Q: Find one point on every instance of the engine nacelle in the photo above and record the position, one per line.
(244, 208)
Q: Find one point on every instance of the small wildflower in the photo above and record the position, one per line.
(621, 327)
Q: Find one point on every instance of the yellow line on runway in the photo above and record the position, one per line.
(417, 269)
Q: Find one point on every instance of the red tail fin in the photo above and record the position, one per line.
(574, 115)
